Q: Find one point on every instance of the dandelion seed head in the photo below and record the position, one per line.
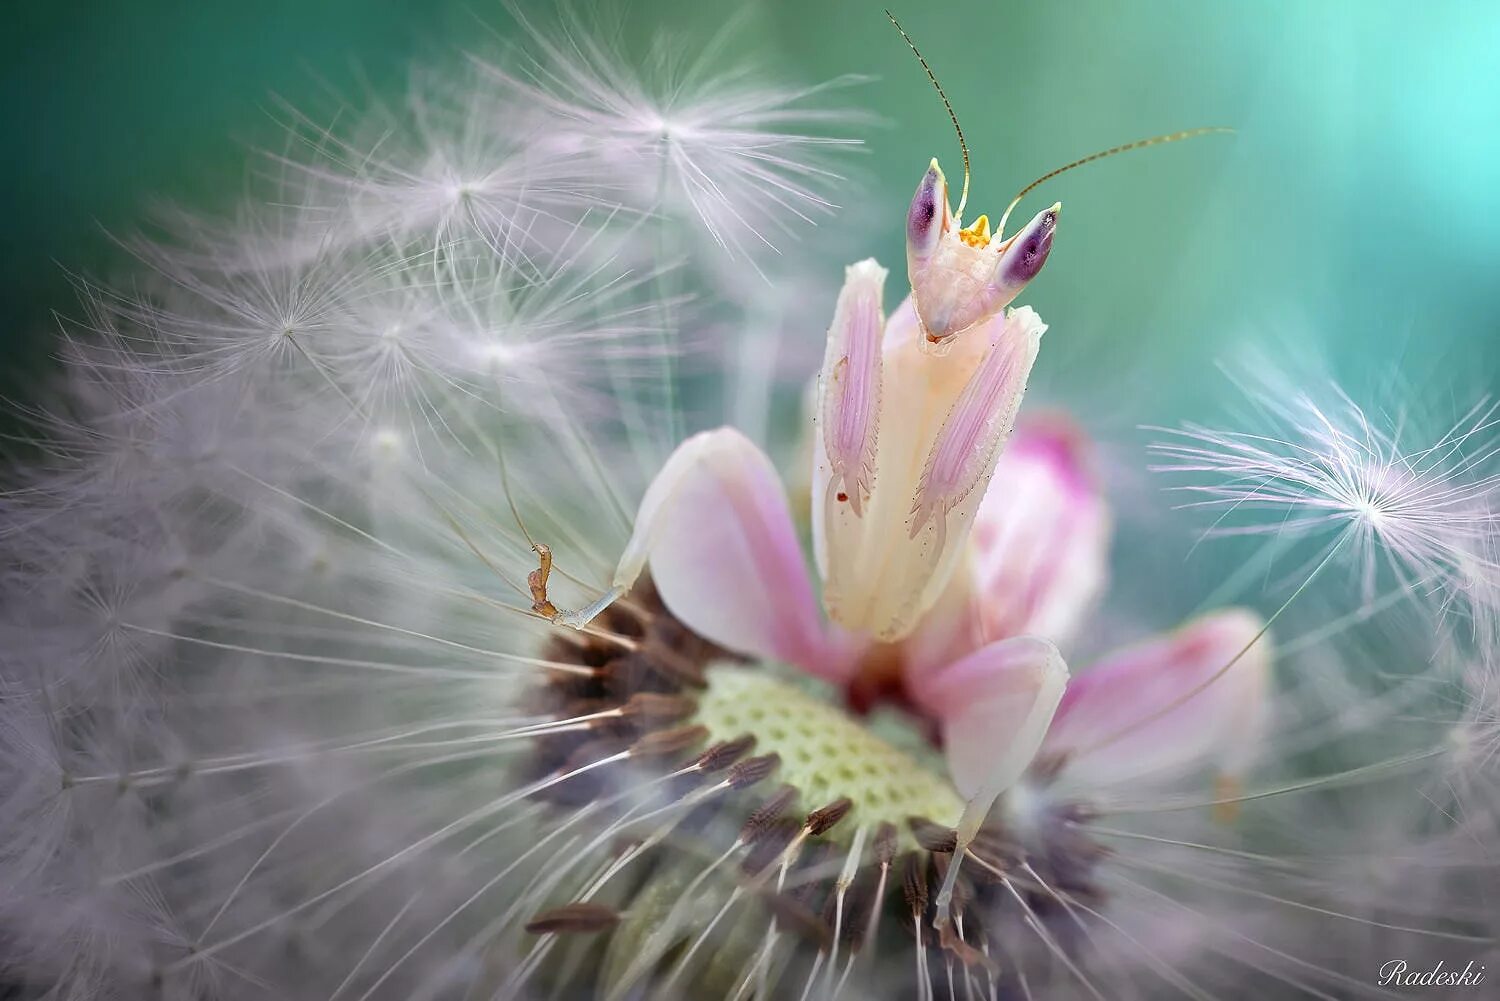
(284, 713)
(1421, 508)
(698, 137)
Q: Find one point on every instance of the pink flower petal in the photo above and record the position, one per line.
(1166, 705)
(715, 527)
(1041, 537)
(994, 707)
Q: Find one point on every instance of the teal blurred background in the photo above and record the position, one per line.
(1355, 214)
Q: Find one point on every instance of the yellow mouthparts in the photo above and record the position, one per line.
(977, 235)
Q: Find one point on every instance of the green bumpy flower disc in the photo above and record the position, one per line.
(825, 753)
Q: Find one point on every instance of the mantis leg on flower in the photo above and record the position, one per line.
(996, 705)
(581, 617)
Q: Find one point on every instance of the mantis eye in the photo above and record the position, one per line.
(928, 215)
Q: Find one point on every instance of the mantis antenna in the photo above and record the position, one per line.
(964, 196)
(1127, 147)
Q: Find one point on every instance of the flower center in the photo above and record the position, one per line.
(824, 752)
(735, 825)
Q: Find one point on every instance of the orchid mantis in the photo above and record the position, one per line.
(913, 410)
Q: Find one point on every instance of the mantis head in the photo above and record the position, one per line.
(961, 276)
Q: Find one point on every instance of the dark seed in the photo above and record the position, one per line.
(752, 770)
(793, 913)
(590, 753)
(859, 907)
(767, 813)
(574, 918)
(768, 847)
(820, 821)
(661, 743)
(654, 707)
(914, 883)
(933, 837)
(723, 754)
(815, 872)
(885, 844)
(666, 660)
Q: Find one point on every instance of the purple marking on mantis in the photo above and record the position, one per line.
(968, 443)
(962, 277)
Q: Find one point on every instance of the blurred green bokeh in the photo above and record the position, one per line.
(1356, 210)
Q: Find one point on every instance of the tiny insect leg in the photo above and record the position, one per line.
(536, 581)
(541, 604)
